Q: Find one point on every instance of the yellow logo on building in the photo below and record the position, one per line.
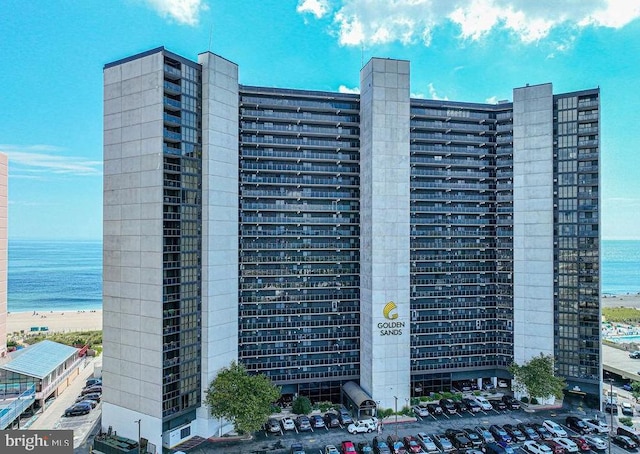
(389, 311)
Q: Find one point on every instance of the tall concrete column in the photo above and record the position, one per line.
(384, 227)
(219, 223)
(533, 311)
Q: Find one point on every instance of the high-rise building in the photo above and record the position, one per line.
(4, 204)
(404, 245)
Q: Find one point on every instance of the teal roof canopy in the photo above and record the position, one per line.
(40, 359)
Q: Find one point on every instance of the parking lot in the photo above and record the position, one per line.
(314, 441)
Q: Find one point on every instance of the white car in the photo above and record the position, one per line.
(536, 448)
(426, 442)
(555, 428)
(484, 403)
(330, 449)
(596, 443)
(568, 445)
(287, 424)
(420, 411)
(359, 427)
(598, 426)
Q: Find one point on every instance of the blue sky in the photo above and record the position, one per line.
(466, 50)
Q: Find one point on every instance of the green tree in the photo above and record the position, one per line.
(242, 398)
(635, 389)
(536, 378)
(301, 405)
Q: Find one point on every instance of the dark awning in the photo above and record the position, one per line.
(357, 395)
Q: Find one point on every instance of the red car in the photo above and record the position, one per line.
(347, 447)
(557, 448)
(412, 445)
(581, 443)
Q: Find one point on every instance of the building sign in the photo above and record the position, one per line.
(390, 327)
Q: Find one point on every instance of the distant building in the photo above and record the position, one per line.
(405, 245)
(4, 191)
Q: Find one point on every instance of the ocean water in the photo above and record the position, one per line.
(54, 276)
(67, 275)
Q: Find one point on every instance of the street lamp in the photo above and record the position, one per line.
(138, 422)
(610, 401)
(396, 409)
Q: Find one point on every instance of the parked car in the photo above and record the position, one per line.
(610, 407)
(92, 390)
(515, 433)
(503, 384)
(287, 424)
(511, 402)
(473, 436)
(528, 432)
(629, 432)
(93, 396)
(296, 448)
(443, 443)
(316, 421)
(331, 449)
(380, 446)
(474, 407)
(499, 433)
(412, 445)
(461, 406)
(542, 431)
(92, 403)
(303, 423)
(359, 427)
(421, 411)
(345, 417)
(567, 444)
(272, 426)
(576, 424)
(364, 448)
(347, 447)
(635, 354)
(331, 420)
(448, 407)
(581, 443)
(555, 428)
(627, 387)
(624, 442)
(78, 409)
(597, 426)
(496, 448)
(434, 408)
(427, 442)
(396, 445)
(459, 439)
(485, 434)
(484, 403)
(596, 442)
(627, 409)
(93, 382)
(536, 448)
(556, 447)
(498, 405)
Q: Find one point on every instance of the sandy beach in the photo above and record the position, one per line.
(54, 321)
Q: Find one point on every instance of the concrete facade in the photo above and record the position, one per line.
(4, 235)
(133, 231)
(384, 226)
(220, 222)
(533, 224)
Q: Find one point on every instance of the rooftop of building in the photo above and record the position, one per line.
(40, 359)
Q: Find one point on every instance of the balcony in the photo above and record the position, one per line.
(172, 104)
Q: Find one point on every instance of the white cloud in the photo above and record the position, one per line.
(492, 100)
(31, 161)
(417, 95)
(345, 89)
(318, 8)
(434, 94)
(185, 12)
(357, 22)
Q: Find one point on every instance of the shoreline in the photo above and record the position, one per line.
(54, 321)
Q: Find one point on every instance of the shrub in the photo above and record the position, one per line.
(275, 408)
(436, 396)
(524, 400)
(447, 395)
(626, 421)
(384, 412)
(301, 405)
(534, 401)
(324, 406)
(406, 411)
